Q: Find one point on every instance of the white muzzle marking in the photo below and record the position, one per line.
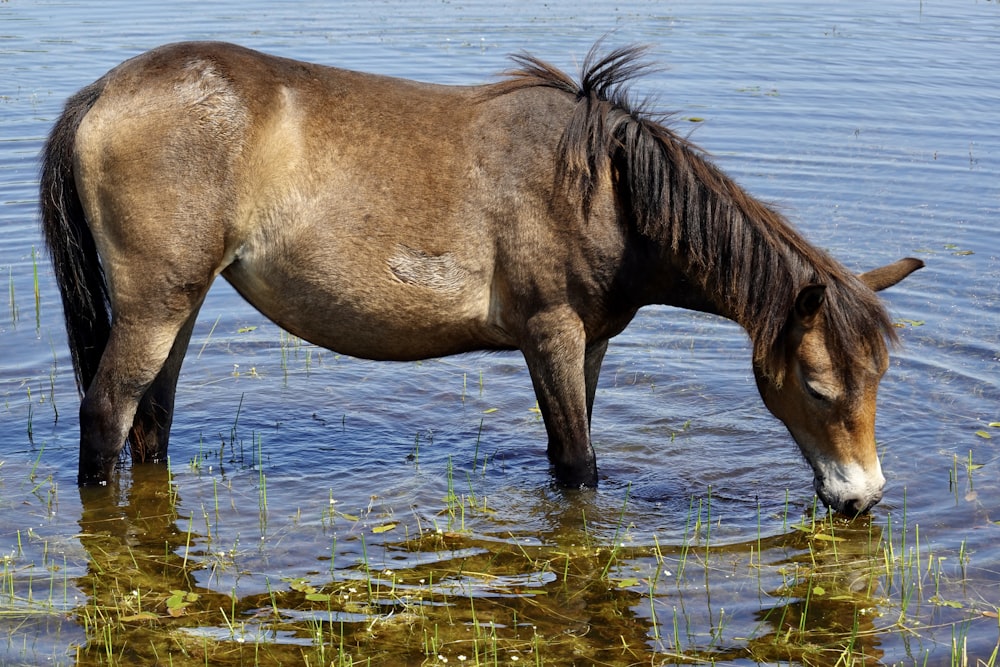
(849, 489)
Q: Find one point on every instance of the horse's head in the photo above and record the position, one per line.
(830, 409)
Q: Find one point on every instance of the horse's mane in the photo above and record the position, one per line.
(735, 246)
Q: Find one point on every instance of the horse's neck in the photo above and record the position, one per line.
(681, 287)
(691, 296)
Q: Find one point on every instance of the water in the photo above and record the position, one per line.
(872, 125)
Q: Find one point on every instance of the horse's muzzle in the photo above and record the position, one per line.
(847, 503)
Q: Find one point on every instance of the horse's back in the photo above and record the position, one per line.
(338, 202)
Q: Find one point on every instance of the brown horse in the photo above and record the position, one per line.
(391, 219)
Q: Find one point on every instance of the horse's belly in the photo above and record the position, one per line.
(412, 306)
(394, 330)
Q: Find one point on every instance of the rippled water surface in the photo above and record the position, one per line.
(873, 126)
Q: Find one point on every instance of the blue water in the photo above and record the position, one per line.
(874, 126)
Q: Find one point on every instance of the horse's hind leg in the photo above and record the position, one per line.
(150, 431)
(135, 356)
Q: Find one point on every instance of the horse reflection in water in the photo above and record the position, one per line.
(137, 558)
(396, 220)
(559, 593)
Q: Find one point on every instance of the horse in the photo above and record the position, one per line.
(391, 219)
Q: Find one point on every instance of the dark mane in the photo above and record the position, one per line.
(737, 248)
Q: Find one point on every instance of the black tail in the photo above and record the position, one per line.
(84, 290)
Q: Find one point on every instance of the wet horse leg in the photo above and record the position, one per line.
(555, 354)
(134, 357)
(150, 431)
(592, 361)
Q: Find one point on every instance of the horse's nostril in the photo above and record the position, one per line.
(854, 507)
(858, 506)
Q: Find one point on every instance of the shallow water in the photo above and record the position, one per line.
(873, 126)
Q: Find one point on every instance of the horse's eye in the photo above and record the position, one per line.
(818, 394)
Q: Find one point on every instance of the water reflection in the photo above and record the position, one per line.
(468, 584)
(137, 567)
(830, 597)
(478, 594)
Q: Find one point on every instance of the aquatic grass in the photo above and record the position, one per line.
(29, 429)
(615, 541)
(38, 296)
(653, 582)
(208, 337)
(12, 300)
(52, 381)
(479, 437)
(685, 541)
(235, 444)
(261, 489)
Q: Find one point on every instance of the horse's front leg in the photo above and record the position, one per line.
(555, 350)
(592, 370)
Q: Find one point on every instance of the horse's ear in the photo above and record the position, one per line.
(808, 304)
(887, 276)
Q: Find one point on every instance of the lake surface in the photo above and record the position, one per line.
(873, 126)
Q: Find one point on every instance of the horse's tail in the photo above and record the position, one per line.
(82, 285)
